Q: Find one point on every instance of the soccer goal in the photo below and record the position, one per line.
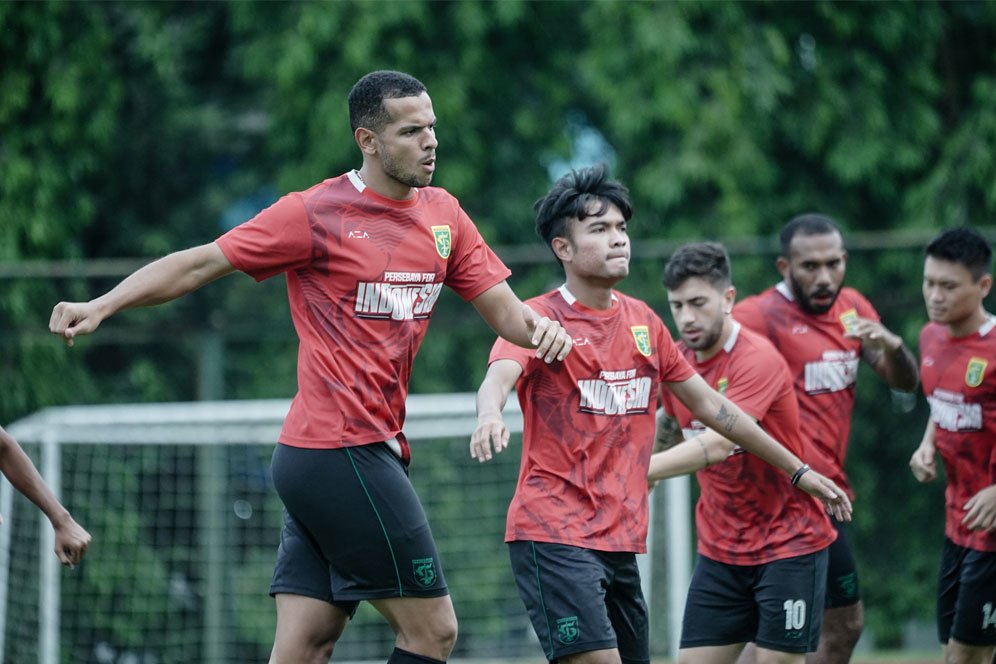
(185, 525)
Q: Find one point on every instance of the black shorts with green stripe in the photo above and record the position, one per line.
(580, 600)
(354, 528)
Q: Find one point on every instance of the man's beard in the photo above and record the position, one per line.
(805, 300)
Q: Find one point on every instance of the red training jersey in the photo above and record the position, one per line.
(363, 276)
(589, 424)
(823, 363)
(961, 389)
(748, 511)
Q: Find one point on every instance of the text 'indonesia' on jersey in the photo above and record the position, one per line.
(398, 296)
(615, 393)
(951, 412)
(837, 370)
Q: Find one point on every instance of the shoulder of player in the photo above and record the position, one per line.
(854, 298)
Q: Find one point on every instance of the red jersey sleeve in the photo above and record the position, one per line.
(276, 240)
(674, 368)
(748, 313)
(474, 267)
(757, 383)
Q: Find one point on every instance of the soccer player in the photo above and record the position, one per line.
(579, 513)
(761, 572)
(956, 347)
(823, 329)
(71, 540)
(365, 255)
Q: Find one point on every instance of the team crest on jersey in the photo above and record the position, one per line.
(975, 372)
(849, 319)
(567, 629)
(722, 384)
(641, 335)
(443, 240)
(424, 570)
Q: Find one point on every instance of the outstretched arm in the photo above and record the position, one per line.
(723, 416)
(886, 353)
(518, 323)
(160, 281)
(689, 456)
(71, 540)
(491, 397)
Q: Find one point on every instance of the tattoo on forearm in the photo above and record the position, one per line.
(668, 433)
(727, 419)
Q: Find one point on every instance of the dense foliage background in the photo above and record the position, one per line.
(132, 129)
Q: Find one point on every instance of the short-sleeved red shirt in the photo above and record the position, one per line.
(589, 425)
(363, 275)
(748, 512)
(823, 363)
(961, 389)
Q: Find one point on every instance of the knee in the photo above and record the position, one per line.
(299, 653)
(444, 633)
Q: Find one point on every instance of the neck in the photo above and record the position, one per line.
(593, 296)
(385, 185)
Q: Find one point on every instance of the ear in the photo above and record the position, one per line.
(561, 248)
(985, 284)
(782, 264)
(729, 297)
(366, 139)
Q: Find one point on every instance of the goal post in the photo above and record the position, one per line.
(186, 522)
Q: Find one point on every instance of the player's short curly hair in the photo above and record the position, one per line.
(581, 193)
(807, 224)
(366, 99)
(965, 246)
(706, 260)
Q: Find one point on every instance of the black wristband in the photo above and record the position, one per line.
(803, 469)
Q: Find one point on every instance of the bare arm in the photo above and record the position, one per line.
(689, 456)
(71, 540)
(667, 434)
(160, 281)
(723, 416)
(519, 324)
(886, 353)
(491, 398)
(922, 462)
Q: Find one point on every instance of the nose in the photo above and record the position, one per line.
(431, 143)
(684, 315)
(619, 238)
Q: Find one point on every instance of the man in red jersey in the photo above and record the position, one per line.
(823, 329)
(956, 347)
(579, 513)
(761, 573)
(365, 255)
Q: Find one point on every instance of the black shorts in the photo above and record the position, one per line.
(842, 571)
(966, 596)
(581, 600)
(353, 527)
(778, 605)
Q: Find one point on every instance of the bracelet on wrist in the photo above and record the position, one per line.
(803, 469)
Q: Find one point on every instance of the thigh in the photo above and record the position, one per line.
(790, 598)
(948, 583)
(719, 610)
(360, 509)
(842, 571)
(627, 608)
(975, 609)
(564, 591)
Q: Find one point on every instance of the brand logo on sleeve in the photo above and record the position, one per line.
(975, 371)
(443, 240)
(641, 335)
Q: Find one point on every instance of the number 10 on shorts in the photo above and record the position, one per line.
(795, 613)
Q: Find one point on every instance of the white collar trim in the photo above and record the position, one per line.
(786, 292)
(354, 177)
(569, 296)
(732, 340)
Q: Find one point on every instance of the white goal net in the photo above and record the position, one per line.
(185, 524)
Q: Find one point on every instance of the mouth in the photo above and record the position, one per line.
(428, 165)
